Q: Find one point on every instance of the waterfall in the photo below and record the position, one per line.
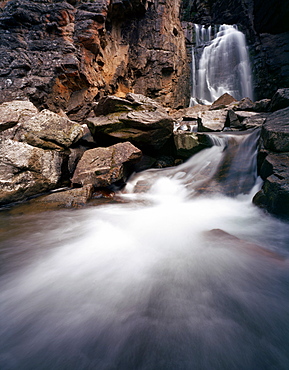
(181, 271)
(220, 64)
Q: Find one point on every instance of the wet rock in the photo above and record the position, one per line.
(26, 170)
(214, 120)
(49, 130)
(103, 167)
(189, 143)
(280, 100)
(66, 198)
(223, 101)
(275, 131)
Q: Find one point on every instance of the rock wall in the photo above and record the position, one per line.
(63, 55)
(267, 30)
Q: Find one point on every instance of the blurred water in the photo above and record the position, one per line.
(147, 284)
(220, 64)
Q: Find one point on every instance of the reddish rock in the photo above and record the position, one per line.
(223, 101)
(64, 55)
(102, 167)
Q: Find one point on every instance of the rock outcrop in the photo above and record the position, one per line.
(65, 55)
(274, 164)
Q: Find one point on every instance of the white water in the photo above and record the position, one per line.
(220, 64)
(146, 284)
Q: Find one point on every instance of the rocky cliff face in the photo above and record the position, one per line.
(63, 55)
(267, 30)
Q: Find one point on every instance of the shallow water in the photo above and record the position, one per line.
(146, 284)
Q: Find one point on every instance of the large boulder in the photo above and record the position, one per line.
(189, 143)
(49, 130)
(76, 197)
(213, 120)
(26, 170)
(275, 131)
(223, 101)
(147, 126)
(274, 195)
(103, 167)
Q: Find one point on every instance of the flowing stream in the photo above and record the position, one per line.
(182, 273)
(220, 64)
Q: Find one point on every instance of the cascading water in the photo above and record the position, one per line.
(220, 64)
(177, 275)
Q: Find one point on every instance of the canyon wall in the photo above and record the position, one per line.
(64, 55)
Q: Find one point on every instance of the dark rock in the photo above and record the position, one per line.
(271, 17)
(274, 195)
(280, 100)
(233, 121)
(103, 167)
(262, 105)
(275, 131)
